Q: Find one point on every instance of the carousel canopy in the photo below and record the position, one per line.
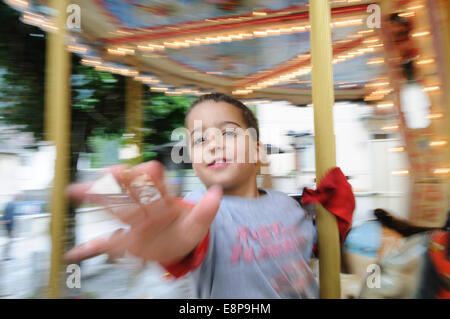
(248, 48)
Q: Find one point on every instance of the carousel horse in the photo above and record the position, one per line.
(410, 261)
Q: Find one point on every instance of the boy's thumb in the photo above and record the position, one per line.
(205, 211)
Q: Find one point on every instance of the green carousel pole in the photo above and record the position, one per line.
(57, 109)
(323, 101)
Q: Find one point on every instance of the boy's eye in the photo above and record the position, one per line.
(229, 133)
(199, 140)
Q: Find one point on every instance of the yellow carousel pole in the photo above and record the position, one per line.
(446, 36)
(447, 53)
(134, 115)
(57, 109)
(323, 101)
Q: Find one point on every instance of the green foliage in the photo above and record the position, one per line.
(162, 115)
(102, 155)
(22, 85)
(148, 156)
(97, 98)
(100, 97)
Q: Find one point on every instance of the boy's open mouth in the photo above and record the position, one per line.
(218, 163)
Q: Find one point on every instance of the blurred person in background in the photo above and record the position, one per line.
(8, 222)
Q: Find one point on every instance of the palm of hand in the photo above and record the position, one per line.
(161, 228)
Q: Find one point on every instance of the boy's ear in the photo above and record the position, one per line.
(257, 155)
(261, 159)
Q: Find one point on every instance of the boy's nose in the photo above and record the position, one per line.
(215, 143)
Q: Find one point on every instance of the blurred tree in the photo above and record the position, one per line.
(97, 98)
(22, 57)
(162, 115)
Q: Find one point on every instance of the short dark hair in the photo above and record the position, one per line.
(247, 115)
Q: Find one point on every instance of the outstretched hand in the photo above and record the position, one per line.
(162, 228)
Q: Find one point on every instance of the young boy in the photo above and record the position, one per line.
(237, 240)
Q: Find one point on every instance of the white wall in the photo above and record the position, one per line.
(37, 169)
(276, 119)
(9, 183)
(30, 170)
(368, 162)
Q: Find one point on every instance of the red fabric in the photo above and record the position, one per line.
(335, 194)
(438, 254)
(188, 205)
(191, 262)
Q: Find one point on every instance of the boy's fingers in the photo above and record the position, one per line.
(203, 214)
(149, 172)
(117, 242)
(97, 247)
(121, 206)
(144, 182)
(87, 250)
(127, 213)
(79, 193)
(160, 216)
(156, 213)
(119, 172)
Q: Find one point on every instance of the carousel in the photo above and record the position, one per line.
(394, 55)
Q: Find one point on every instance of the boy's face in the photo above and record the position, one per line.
(221, 148)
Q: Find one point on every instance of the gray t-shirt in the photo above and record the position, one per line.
(259, 248)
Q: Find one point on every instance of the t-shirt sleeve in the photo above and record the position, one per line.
(195, 259)
(192, 261)
(203, 275)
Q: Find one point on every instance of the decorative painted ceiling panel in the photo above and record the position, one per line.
(136, 14)
(249, 48)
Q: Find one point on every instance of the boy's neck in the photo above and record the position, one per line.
(247, 190)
